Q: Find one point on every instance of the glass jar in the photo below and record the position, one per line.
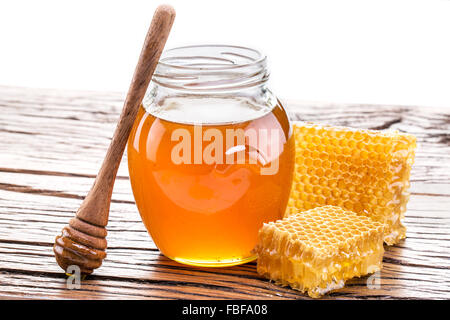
(210, 155)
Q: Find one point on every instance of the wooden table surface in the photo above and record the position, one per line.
(52, 144)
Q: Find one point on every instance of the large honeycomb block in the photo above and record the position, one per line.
(316, 251)
(365, 171)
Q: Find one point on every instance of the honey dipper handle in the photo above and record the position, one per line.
(95, 208)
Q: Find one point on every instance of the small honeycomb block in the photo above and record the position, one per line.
(365, 171)
(316, 251)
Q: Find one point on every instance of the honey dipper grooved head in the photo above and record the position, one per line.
(81, 244)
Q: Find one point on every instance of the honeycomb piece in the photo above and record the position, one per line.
(316, 251)
(365, 171)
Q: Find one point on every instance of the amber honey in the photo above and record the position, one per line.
(208, 212)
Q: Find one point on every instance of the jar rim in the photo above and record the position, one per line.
(210, 68)
(257, 59)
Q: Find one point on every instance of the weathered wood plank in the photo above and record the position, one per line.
(235, 281)
(60, 135)
(49, 214)
(53, 142)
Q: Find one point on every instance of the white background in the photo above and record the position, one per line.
(391, 52)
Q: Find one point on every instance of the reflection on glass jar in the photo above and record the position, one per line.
(211, 155)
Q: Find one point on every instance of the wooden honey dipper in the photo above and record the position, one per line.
(83, 241)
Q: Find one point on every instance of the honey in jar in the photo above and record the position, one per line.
(210, 155)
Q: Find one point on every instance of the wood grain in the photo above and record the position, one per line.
(51, 146)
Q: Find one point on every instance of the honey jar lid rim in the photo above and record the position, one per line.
(232, 51)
